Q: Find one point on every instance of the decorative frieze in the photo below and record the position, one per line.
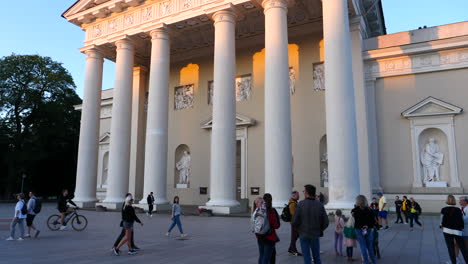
(183, 97)
(433, 61)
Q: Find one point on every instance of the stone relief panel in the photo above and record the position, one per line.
(183, 166)
(147, 13)
(184, 97)
(106, 111)
(243, 88)
(319, 76)
(145, 103)
(165, 8)
(292, 80)
(323, 161)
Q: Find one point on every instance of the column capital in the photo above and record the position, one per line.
(226, 15)
(124, 43)
(267, 4)
(159, 33)
(93, 53)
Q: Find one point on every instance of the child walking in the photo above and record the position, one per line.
(350, 238)
(176, 212)
(339, 226)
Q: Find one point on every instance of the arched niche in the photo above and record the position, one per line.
(323, 161)
(441, 143)
(182, 167)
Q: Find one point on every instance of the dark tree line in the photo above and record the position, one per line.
(39, 127)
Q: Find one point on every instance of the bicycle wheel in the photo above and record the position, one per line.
(79, 222)
(53, 222)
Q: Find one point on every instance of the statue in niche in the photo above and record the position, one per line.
(319, 77)
(183, 166)
(210, 92)
(292, 80)
(324, 157)
(324, 175)
(431, 159)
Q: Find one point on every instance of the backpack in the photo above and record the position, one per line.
(37, 206)
(24, 209)
(286, 214)
(260, 223)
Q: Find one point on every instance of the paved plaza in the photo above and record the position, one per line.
(211, 240)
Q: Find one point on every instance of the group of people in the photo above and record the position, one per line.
(129, 218)
(25, 212)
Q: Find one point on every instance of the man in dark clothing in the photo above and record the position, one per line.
(62, 207)
(398, 204)
(150, 201)
(294, 234)
(310, 219)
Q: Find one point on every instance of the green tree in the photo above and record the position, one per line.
(38, 124)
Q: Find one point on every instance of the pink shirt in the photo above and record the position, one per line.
(339, 224)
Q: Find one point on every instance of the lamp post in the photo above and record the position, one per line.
(22, 181)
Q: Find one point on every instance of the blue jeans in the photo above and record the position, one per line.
(176, 221)
(310, 244)
(266, 251)
(366, 243)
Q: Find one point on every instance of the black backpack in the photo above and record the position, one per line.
(24, 209)
(37, 206)
(286, 214)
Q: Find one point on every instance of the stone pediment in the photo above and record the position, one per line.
(241, 121)
(431, 107)
(104, 138)
(86, 11)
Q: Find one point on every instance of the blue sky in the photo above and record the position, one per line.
(36, 27)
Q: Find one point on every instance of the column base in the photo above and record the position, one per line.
(280, 204)
(222, 210)
(88, 204)
(111, 205)
(156, 207)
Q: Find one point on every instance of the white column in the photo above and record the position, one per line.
(223, 134)
(86, 174)
(343, 163)
(157, 118)
(278, 149)
(119, 147)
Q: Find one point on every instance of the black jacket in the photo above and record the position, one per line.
(128, 214)
(62, 202)
(310, 218)
(150, 199)
(363, 217)
(452, 218)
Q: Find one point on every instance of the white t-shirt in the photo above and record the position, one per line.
(18, 207)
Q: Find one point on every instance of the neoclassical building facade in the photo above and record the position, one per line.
(220, 101)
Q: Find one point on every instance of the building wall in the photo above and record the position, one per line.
(396, 94)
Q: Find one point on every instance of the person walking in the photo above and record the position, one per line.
(122, 232)
(463, 203)
(452, 225)
(350, 239)
(175, 217)
(364, 225)
(62, 207)
(339, 227)
(383, 213)
(415, 211)
(398, 204)
(19, 217)
(150, 201)
(32, 203)
(310, 220)
(405, 208)
(128, 219)
(266, 242)
(294, 234)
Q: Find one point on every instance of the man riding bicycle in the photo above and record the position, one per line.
(63, 208)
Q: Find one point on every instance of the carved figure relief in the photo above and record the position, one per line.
(147, 13)
(97, 30)
(165, 8)
(183, 97)
(319, 76)
(431, 160)
(210, 92)
(184, 168)
(292, 80)
(187, 4)
(112, 25)
(323, 161)
(243, 87)
(129, 20)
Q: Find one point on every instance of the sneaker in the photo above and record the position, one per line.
(151, 215)
(136, 248)
(20, 239)
(37, 233)
(405, 223)
(167, 234)
(10, 239)
(386, 228)
(293, 253)
(411, 229)
(132, 252)
(63, 228)
(183, 235)
(116, 251)
(27, 236)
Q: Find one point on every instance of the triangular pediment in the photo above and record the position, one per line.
(82, 5)
(104, 138)
(241, 120)
(431, 107)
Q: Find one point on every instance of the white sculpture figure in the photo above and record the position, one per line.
(431, 159)
(210, 92)
(324, 157)
(183, 166)
(243, 88)
(183, 97)
(325, 176)
(319, 77)
(292, 80)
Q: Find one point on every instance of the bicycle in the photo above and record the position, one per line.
(79, 222)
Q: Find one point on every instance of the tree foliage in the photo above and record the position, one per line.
(39, 127)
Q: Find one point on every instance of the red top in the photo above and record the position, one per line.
(273, 219)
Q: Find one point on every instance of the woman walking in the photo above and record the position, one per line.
(364, 226)
(176, 212)
(266, 243)
(350, 238)
(452, 225)
(128, 219)
(339, 226)
(415, 211)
